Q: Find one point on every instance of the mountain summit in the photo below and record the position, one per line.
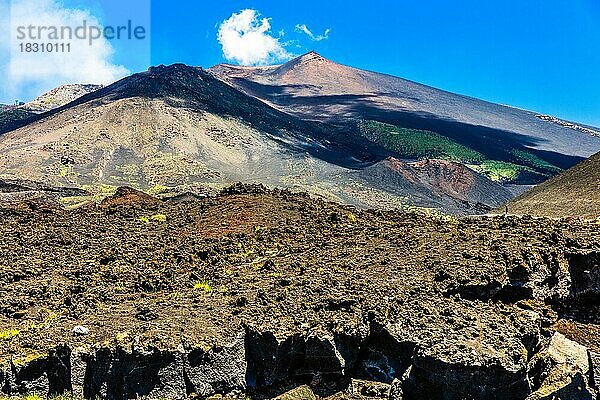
(311, 124)
(508, 144)
(180, 127)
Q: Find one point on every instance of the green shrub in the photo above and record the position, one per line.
(9, 333)
(499, 171)
(416, 143)
(206, 286)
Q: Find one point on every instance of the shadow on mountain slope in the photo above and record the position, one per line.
(494, 144)
(182, 86)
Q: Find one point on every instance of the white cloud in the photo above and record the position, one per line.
(312, 36)
(246, 39)
(30, 74)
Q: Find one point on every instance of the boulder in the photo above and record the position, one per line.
(369, 389)
(595, 369)
(561, 371)
(272, 359)
(299, 393)
(119, 374)
(461, 350)
(47, 376)
(585, 273)
(217, 370)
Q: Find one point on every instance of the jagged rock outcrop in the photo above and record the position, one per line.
(219, 370)
(563, 371)
(584, 269)
(259, 293)
(408, 365)
(300, 393)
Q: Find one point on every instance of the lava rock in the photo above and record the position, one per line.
(220, 369)
(377, 390)
(562, 369)
(300, 393)
(80, 330)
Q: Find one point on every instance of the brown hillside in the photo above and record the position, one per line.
(574, 193)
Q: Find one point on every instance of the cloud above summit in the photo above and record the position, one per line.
(246, 39)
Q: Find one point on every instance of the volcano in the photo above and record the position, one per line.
(508, 144)
(180, 128)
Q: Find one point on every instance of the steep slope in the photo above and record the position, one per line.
(179, 127)
(510, 144)
(575, 192)
(12, 117)
(60, 96)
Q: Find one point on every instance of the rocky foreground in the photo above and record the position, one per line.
(262, 294)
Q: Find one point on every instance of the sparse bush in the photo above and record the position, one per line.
(155, 218)
(205, 286)
(159, 218)
(9, 333)
(158, 189)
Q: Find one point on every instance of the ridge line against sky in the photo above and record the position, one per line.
(536, 55)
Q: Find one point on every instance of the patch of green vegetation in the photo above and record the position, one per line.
(418, 144)
(100, 189)
(156, 218)
(159, 218)
(158, 189)
(534, 161)
(9, 333)
(97, 194)
(499, 171)
(66, 172)
(164, 169)
(205, 286)
(72, 202)
(352, 217)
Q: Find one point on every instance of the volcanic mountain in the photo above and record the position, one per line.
(416, 121)
(12, 117)
(575, 192)
(60, 96)
(181, 128)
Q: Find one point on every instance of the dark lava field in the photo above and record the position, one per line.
(254, 293)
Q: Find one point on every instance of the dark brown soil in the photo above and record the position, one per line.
(197, 272)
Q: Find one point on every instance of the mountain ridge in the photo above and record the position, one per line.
(331, 92)
(179, 126)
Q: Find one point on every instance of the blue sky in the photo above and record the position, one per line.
(542, 55)
(534, 54)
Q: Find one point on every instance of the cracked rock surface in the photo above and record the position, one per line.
(266, 293)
